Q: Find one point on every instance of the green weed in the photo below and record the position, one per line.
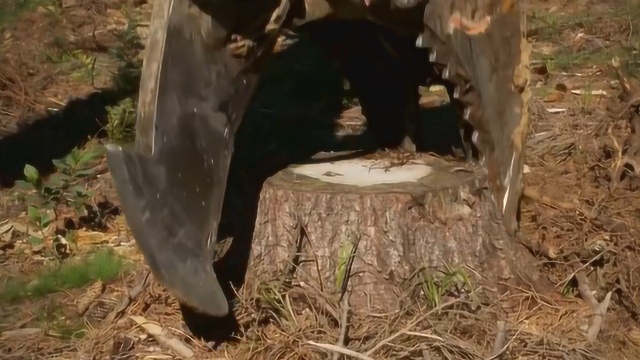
(10, 10)
(102, 265)
(554, 27)
(45, 196)
(121, 122)
(437, 284)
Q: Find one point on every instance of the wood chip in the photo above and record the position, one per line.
(21, 333)
(164, 338)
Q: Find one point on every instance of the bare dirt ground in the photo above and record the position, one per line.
(73, 286)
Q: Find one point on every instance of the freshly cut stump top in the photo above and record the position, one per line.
(406, 219)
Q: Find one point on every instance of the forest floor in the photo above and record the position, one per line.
(73, 284)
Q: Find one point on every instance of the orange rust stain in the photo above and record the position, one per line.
(470, 27)
(507, 6)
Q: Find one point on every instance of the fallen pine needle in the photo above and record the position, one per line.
(340, 350)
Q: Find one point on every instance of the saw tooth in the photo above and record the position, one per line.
(474, 137)
(432, 55)
(445, 73)
(420, 41)
(467, 113)
(456, 92)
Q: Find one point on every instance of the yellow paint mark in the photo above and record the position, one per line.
(507, 6)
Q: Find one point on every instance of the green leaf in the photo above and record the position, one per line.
(35, 240)
(34, 214)
(65, 178)
(31, 173)
(54, 181)
(45, 220)
(32, 199)
(51, 191)
(24, 185)
(74, 157)
(85, 172)
(49, 205)
(87, 156)
(77, 189)
(60, 164)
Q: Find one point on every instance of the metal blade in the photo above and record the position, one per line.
(172, 187)
(168, 233)
(485, 46)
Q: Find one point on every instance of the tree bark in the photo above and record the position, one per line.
(406, 221)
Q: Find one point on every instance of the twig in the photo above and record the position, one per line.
(21, 333)
(344, 298)
(348, 268)
(344, 323)
(501, 337)
(535, 196)
(599, 309)
(164, 338)
(428, 336)
(617, 164)
(504, 348)
(340, 350)
(575, 273)
(138, 289)
(410, 325)
(131, 295)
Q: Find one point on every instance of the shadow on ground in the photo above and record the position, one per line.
(292, 117)
(55, 135)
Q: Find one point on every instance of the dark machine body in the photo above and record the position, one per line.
(194, 92)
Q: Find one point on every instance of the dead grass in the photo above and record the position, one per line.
(68, 57)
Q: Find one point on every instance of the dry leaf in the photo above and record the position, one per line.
(554, 96)
(634, 336)
(92, 294)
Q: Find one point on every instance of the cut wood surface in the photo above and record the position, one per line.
(403, 217)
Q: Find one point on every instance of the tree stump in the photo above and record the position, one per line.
(405, 221)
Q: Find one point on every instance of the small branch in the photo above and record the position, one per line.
(575, 273)
(499, 344)
(410, 325)
(164, 338)
(344, 324)
(627, 90)
(138, 289)
(21, 333)
(535, 196)
(617, 164)
(599, 309)
(340, 350)
(131, 296)
(344, 298)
